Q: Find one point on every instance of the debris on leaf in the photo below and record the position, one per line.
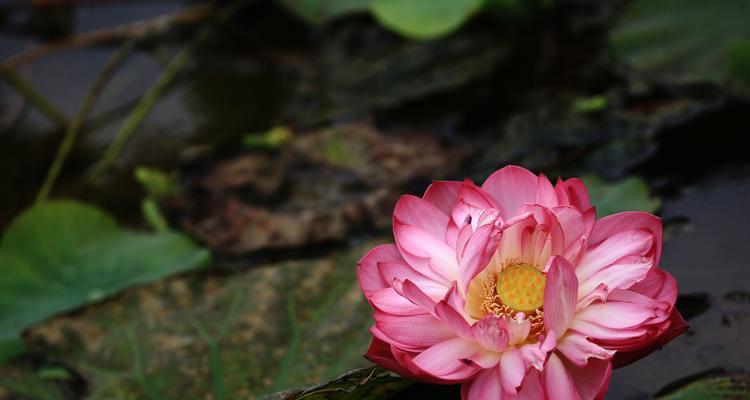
(330, 181)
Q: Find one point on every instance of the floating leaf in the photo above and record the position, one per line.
(365, 383)
(238, 335)
(681, 40)
(420, 19)
(319, 11)
(725, 387)
(62, 254)
(626, 195)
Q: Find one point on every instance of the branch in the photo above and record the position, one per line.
(32, 96)
(137, 29)
(71, 133)
(142, 109)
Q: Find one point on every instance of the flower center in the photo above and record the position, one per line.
(521, 287)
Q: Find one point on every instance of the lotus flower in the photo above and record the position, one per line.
(515, 290)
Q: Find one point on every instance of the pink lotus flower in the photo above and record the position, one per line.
(515, 290)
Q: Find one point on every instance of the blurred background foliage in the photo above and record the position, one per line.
(187, 186)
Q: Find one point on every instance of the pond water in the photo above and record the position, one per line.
(704, 249)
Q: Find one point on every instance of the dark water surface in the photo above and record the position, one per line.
(705, 249)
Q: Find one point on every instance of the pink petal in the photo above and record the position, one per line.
(389, 301)
(368, 274)
(626, 221)
(407, 360)
(515, 231)
(455, 300)
(518, 329)
(592, 380)
(589, 218)
(531, 388)
(578, 349)
(453, 320)
(572, 222)
(486, 359)
(448, 359)
(419, 298)
(412, 332)
(411, 210)
(576, 250)
(511, 187)
(485, 386)
(630, 296)
(512, 370)
(534, 355)
(545, 193)
(598, 294)
(616, 314)
(490, 332)
(560, 296)
(545, 240)
(392, 271)
(480, 248)
(619, 245)
(470, 202)
(599, 332)
(380, 353)
(573, 192)
(659, 285)
(674, 328)
(442, 194)
(558, 384)
(621, 274)
(429, 255)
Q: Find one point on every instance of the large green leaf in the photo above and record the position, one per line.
(62, 254)
(681, 40)
(421, 19)
(223, 335)
(319, 11)
(626, 195)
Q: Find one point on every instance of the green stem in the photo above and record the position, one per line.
(32, 96)
(74, 128)
(142, 110)
(291, 349)
(217, 375)
(144, 106)
(139, 374)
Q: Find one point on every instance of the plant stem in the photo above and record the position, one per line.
(32, 96)
(292, 347)
(117, 58)
(146, 103)
(144, 106)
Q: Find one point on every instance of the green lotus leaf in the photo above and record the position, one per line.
(59, 255)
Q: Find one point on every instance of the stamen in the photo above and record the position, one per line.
(493, 303)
